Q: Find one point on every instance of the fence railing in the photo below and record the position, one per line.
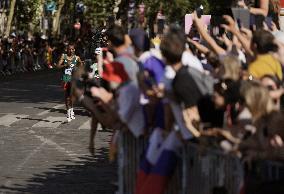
(208, 171)
(20, 63)
(199, 171)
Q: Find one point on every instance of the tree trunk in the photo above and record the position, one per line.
(10, 17)
(56, 22)
(2, 21)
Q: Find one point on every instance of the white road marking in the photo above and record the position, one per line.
(28, 107)
(58, 147)
(86, 125)
(47, 111)
(9, 119)
(50, 122)
(21, 165)
(44, 141)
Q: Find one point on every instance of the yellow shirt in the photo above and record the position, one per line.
(265, 65)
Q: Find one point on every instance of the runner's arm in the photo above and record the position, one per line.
(60, 62)
(80, 62)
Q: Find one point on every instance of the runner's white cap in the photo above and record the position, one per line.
(44, 37)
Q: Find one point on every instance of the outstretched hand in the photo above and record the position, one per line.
(231, 24)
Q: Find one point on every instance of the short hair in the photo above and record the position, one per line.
(264, 41)
(173, 45)
(232, 67)
(116, 35)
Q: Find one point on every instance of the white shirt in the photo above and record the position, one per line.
(188, 59)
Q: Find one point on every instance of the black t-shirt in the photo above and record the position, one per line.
(185, 88)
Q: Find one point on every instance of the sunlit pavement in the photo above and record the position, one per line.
(39, 151)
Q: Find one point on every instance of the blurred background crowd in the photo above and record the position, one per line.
(220, 85)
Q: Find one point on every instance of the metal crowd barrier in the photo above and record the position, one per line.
(130, 150)
(199, 171)
(24, 63)
(264, 177)
(209, 171)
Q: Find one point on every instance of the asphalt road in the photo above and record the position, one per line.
(39, 152)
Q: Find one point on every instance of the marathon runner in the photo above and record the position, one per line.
(68, 62)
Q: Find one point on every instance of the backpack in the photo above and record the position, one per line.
(204, 82)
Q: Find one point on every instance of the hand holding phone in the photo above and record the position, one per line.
(199, 11)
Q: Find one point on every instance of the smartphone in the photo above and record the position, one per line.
(199, 11)
(268, 21)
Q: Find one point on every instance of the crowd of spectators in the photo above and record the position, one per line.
(223, 91)
(25, 52)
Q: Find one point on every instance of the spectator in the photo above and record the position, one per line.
(230, 68)
(273, 84)
(265, 63)
(267, 142)
(120, 44)
(184, 86)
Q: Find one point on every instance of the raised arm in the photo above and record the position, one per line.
(261, 10)
(231, 27)
(200, 47)
(206, 36)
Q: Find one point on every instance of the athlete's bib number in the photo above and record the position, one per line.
(68, 71)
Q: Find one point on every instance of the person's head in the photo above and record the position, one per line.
(173, 46)
(263, 42)
(140, 40)
(270, 82)
(213, 60)
(116, 36)
(257, 99)
(71, 49)
(226, 92)
(230, 68)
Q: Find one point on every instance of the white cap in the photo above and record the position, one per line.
(13, 34)
(44, 37)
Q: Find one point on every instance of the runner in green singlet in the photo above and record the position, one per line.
(68, 62)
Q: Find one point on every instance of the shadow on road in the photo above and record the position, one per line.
(88, 175)
(39, 87)
(79, 111)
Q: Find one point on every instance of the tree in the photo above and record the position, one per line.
(10, 17)
(26, 15)
(56, 21)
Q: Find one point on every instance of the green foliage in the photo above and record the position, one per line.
(26, 13)
(174, 10)
(98, 11)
